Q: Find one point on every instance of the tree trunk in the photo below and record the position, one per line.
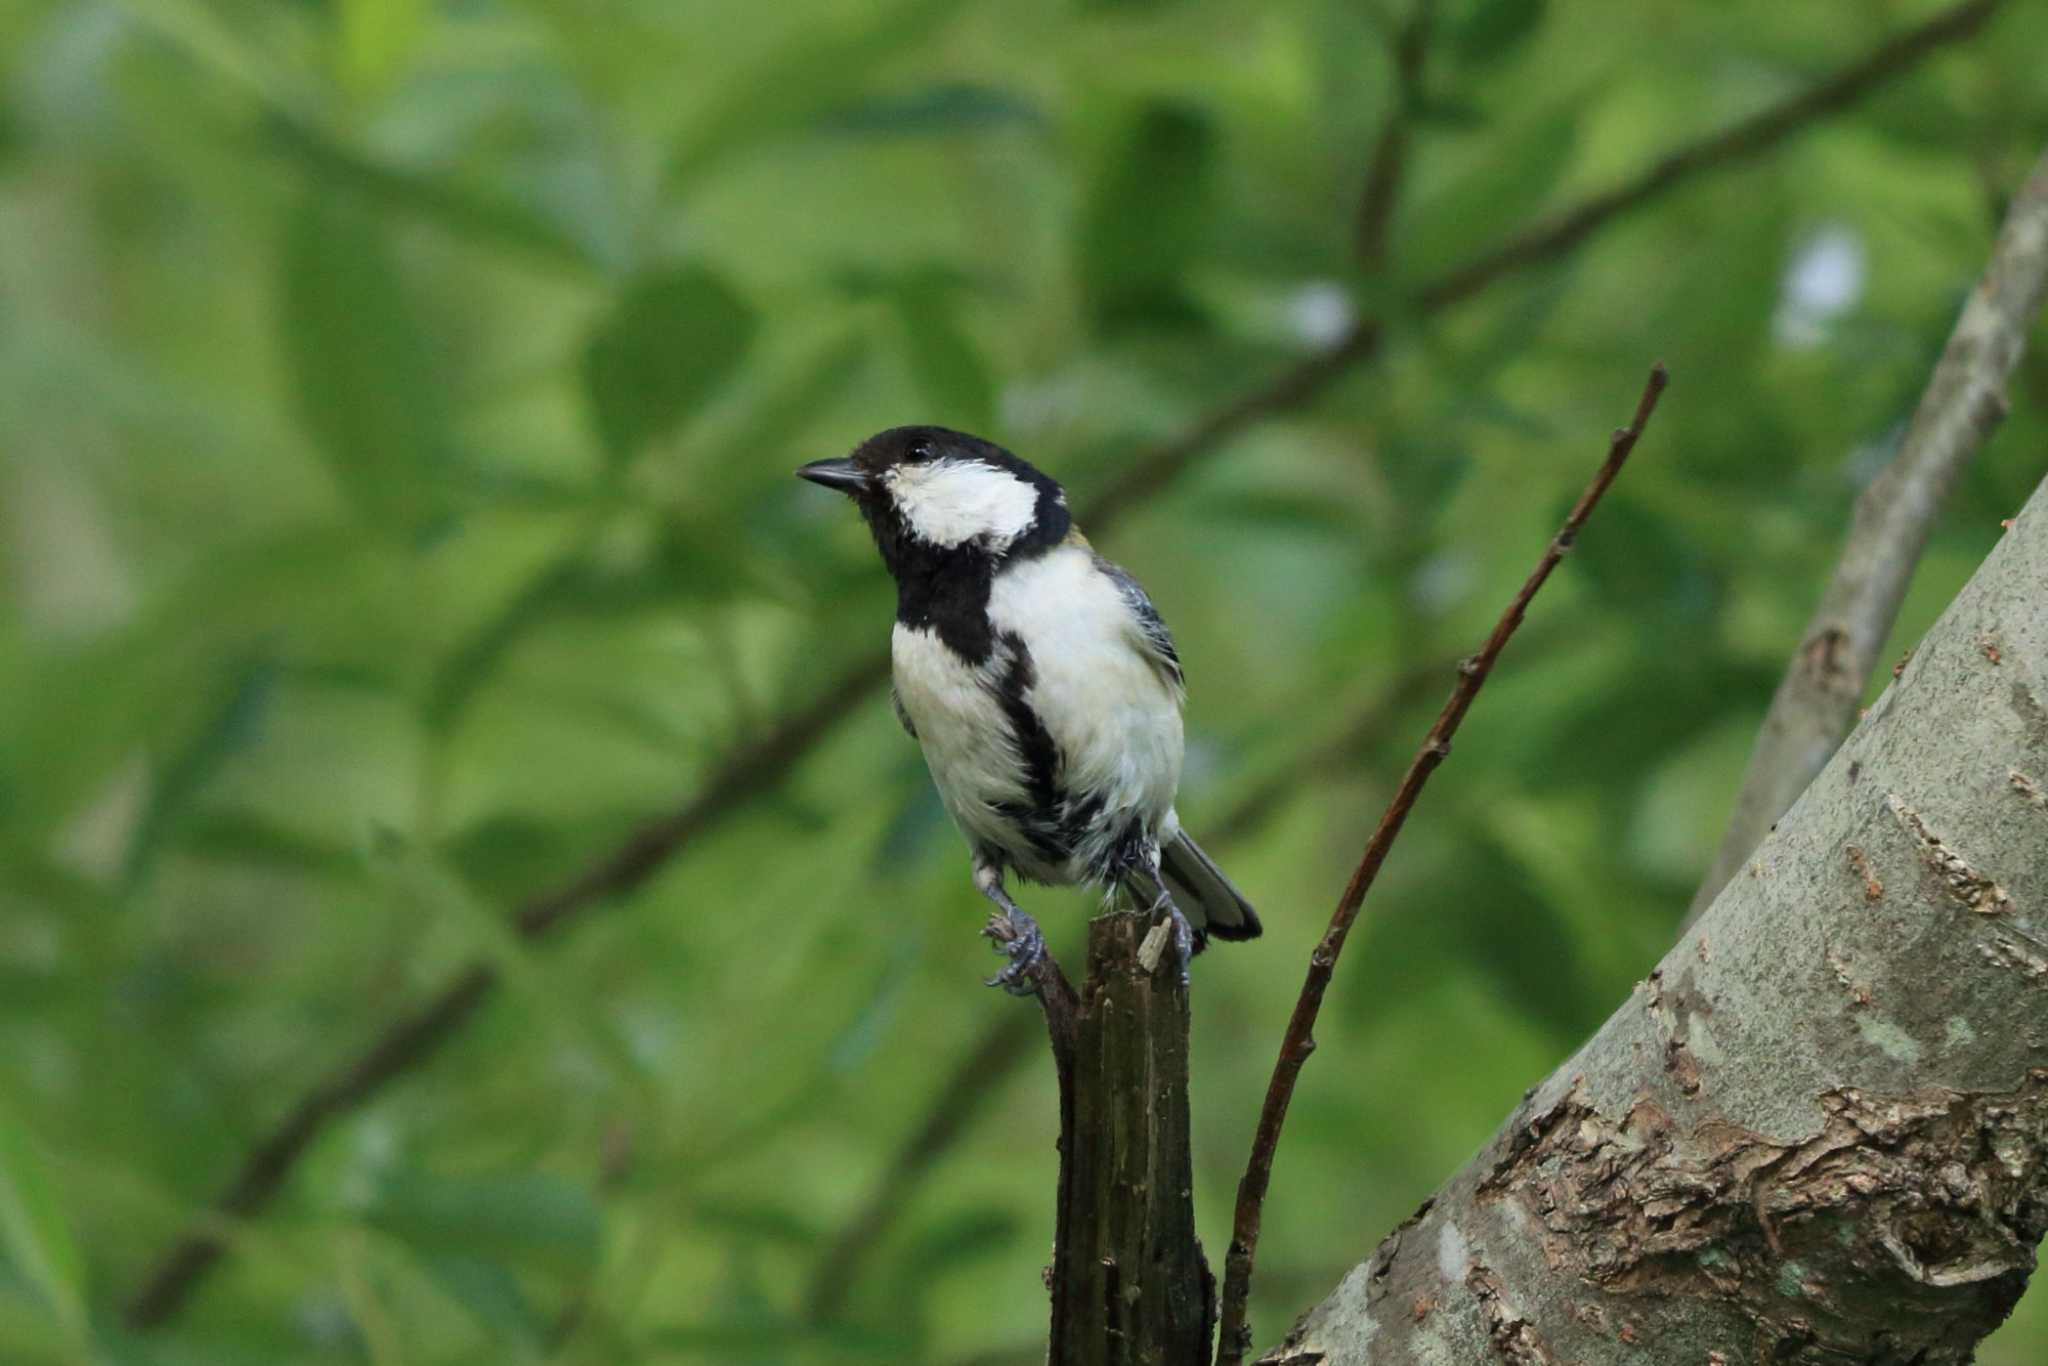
(1819, 1131)
(1129, 1284)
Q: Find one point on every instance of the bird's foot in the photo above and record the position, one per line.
(1168, 923)
(1016, 935)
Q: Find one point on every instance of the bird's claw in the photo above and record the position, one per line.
(1183, 932)
(1017, 936)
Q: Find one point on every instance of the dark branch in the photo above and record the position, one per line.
(1553, 237)
(1389, 164)
(1151, 471)
(1235, 1338)
(400, 1047)
(410, 1040)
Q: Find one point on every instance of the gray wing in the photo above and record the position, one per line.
(1153, 637)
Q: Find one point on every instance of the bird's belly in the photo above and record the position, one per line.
(1116, 720)
(1112, 723)
(967, 746)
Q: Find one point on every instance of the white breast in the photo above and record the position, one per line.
(960, 726)
(1116, 721)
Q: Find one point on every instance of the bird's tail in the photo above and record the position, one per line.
(1203, 894)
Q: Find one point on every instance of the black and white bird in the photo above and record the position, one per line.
(1040, 683)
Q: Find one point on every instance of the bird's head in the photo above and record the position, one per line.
(931, 494)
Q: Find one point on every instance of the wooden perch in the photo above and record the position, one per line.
(1129, 1283)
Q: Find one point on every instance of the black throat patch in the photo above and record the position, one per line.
(946, 588)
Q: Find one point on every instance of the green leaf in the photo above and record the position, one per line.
(757, 1220)
(1662, 702)
(743, 1336)
(434, 198)
(255, 840)
(670, 341)
(234, 725)
(750, 454)
(945, 364)
(491, 1293)
(782, 94)
(359, 362)
(457, 681)
(1495, 28)
(955, 1243)
(936, 110)
(1452, 113)
(1147, 222)
(377, 38)
(522, 1218)
(1507, 179)
(33, 1231)
(1517, 938)
(1648, 567)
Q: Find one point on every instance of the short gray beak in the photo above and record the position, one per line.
(841, 474)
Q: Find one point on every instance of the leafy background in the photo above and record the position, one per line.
(398, 403)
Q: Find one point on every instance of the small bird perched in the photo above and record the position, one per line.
(1040, 683)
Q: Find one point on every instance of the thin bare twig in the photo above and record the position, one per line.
(411, 1040)
(1963, 404)
(1234, 1336)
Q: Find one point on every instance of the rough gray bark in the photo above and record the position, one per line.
(1129, 1284)
(1819, 1130)
(1961, 407)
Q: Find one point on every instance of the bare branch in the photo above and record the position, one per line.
(1963, 404)
(1234, 1340)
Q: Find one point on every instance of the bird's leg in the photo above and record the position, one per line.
(1014, 934)
(1166, 914)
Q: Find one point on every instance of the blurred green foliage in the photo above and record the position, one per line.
(398, 403)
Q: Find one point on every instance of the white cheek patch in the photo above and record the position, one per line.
(949, 502)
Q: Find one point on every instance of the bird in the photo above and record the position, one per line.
(1041, 684)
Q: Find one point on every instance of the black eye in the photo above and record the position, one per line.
(920, 450)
